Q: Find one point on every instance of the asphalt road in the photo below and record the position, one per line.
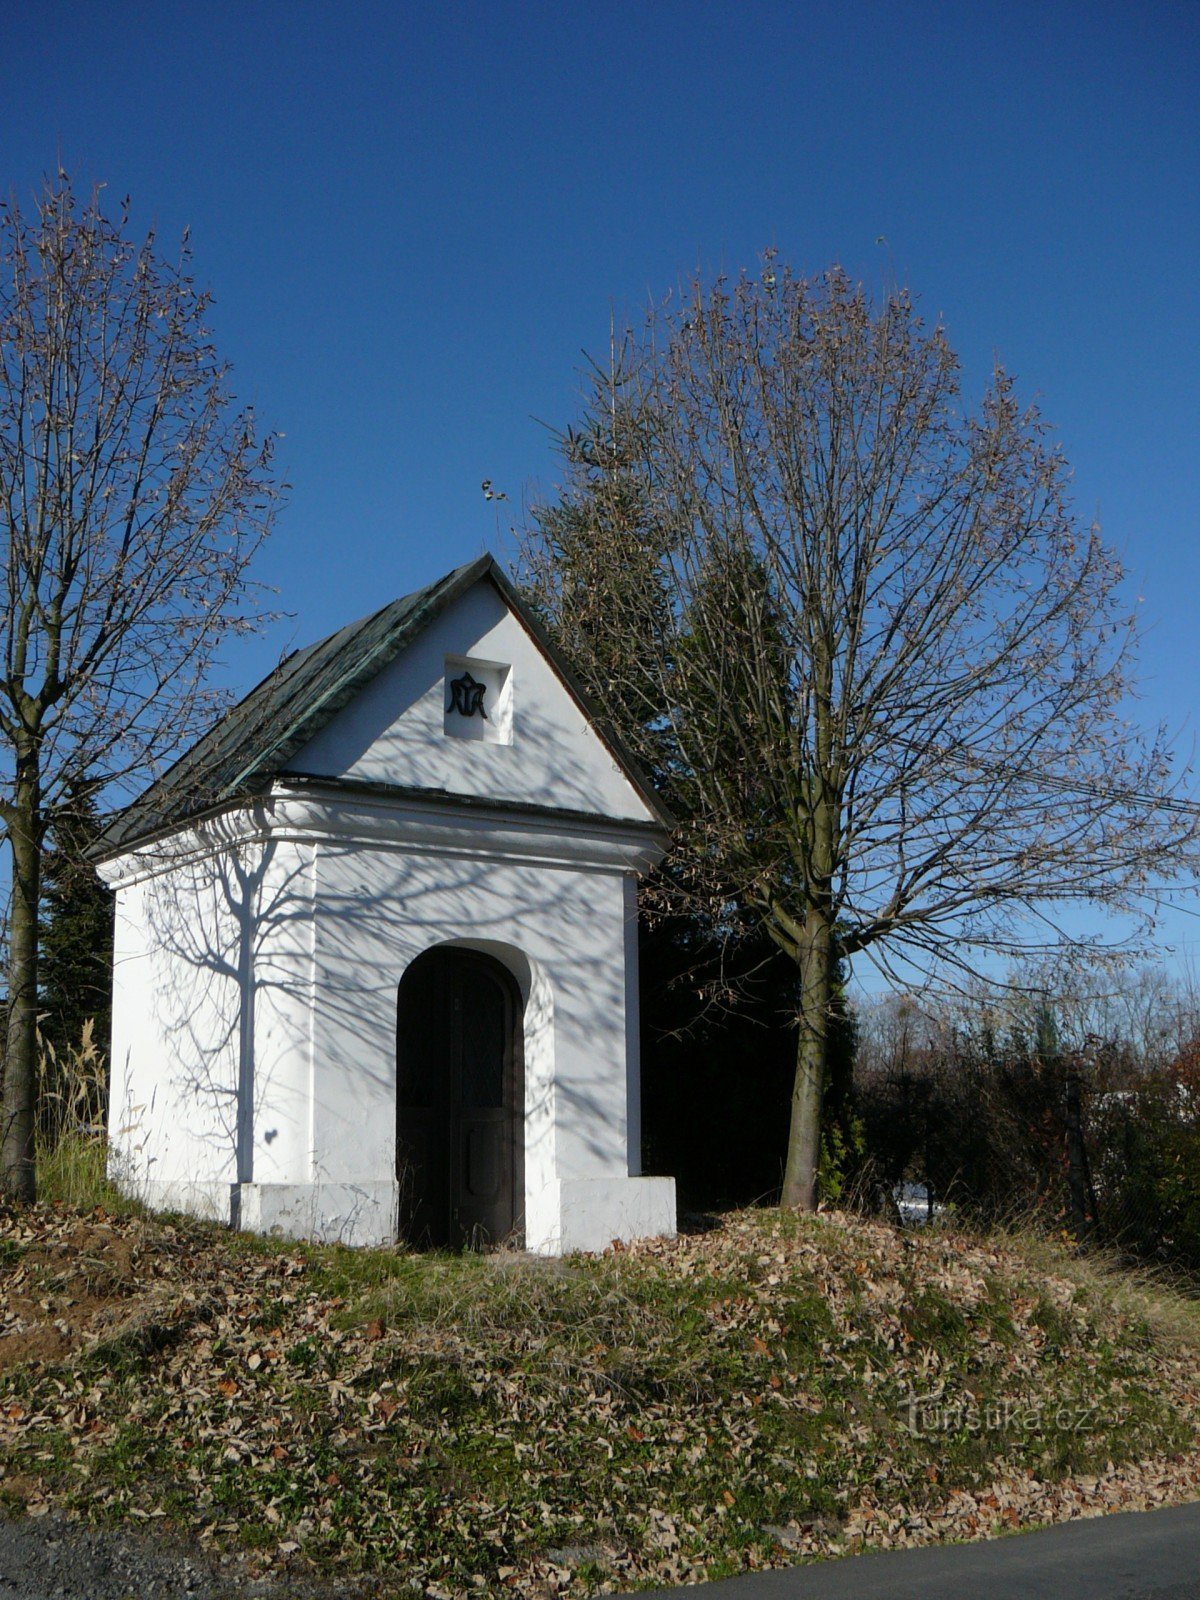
(1140, 1555)
(1147, 1555)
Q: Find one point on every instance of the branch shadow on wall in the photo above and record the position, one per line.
(239, 965)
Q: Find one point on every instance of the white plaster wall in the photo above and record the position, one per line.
(394, 730)
(561, 932)
(255, 1010)
(282, 1067)
(183, 954)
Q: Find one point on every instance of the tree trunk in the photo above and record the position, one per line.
(18, 1177)
(804, 1133)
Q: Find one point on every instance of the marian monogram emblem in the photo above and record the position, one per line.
(466, 696)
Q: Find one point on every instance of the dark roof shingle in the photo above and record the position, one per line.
(253, 742)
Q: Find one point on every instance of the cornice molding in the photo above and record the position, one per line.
(309, 811)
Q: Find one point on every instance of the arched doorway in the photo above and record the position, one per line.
(460, 1100)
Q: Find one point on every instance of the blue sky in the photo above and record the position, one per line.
(415, 218)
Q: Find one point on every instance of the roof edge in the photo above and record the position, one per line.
(261, 765)
(607, 734)
(443, 593)
(316, 784)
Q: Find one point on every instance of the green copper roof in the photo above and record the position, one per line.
(252, 743)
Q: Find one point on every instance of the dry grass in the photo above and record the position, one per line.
(1134, 1295)
(71, 1144)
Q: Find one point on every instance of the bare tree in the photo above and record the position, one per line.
(885, 682)
(133, 494)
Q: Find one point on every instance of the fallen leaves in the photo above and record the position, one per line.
(742, 1397)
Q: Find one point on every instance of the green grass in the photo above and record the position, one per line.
(664, 1410)
(74, 1172)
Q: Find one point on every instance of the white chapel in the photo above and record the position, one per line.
(376, 947)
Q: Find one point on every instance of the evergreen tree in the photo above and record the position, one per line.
(75, 930)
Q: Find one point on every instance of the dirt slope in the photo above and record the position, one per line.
(759, 1391)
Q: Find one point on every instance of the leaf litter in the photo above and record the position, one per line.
(765, 1390)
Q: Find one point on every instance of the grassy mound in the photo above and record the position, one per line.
(770, 1389)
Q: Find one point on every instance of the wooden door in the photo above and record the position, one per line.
(460, 1100)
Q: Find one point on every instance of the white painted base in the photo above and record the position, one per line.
(342, 1213)
(589, 1213)
(568, 1214)
(208, 1200)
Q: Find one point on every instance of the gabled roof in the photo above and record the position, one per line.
(252, 744)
